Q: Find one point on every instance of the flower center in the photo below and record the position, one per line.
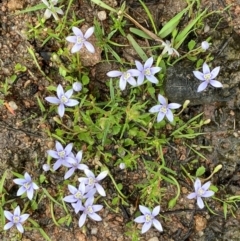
(207, 77)
(91, 181)
(200, 192)
(63, 99)
(80, 40)
(148, 218)
(147, 71)
(27, 185)
(163, 109)
(78, 195)
(89, 209)
(61, 154)
(126, 75)
(16, 219)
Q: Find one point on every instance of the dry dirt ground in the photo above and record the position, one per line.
(23, 139)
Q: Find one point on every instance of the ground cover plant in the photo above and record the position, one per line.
(133, 123)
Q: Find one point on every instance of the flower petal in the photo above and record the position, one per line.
(206, 69)
(69, 93)
(114, 73)
(200, 202)
(139, 65)
(76, 48)
(53, 100)
(24, 217)
(89, 173)
(192, 195)
(132, 81)
(155, 109)
(215, 72)
(146, 227)
(52, 154)
(169, 115)
(8, 215)
(156, 211)
(144, 210)
(8, 225)
(19, 181)
(82, 220)
(77, 31)
(122, 84)
(140, 219)
(157, 225)
(134, 72)
(202, 86)
(72, 102)
(61, 110)
(97, 208)
(89, 201)
(155, 70)
(89, 32)
(148, 63)
(71, 39)
(140, 79)
(160, 116)
(57, 164)
(79, 156)
(89, 47)
(47, 14)
(69, 173)
(69, 199)
(72, 189)
(162, 100)
(30, 193)
(216, 83)
(102, 175)
(152, 79)
(95, 217)
(197, 184)
(199, 75)
(17, 211)
(208, 193)
(60, 91)
(173, 106)
(21, 190)
(100, 189)
(206, 186)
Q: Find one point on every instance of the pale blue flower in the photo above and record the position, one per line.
(51, 10)
(148, 218)
(16, 219)
(200, 191)
(207, 77)
(89, 210)
(78, 195)
(80, 40)
(27, 185)
(91, 181)
(74, 164)
(62, 100)
(164, 109)
(205, 45)
(63, 155)
(127, 76)
(147, 71)
(169, 49)
(77, 86)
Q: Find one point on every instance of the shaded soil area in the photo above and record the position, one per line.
(24, 137)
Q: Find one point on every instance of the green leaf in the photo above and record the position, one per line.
(184, 33)
(213, 188)
(115, 201)
(85, 80)
(137, 48)
(200, 171)
(172, 203)
(191, 44)
(139, 33)
(171, 24)
(104, 5)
